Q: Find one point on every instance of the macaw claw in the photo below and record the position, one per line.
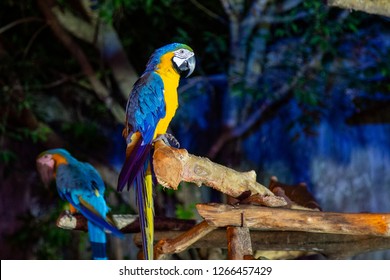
(168, 139)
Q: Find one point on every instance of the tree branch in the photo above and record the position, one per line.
(106, 41)
(333, 246)
(182, 241)
(17, 22)
(254, 118)
(379, 7)
(208, 11)
(125, 223)
(172, 166)
(101, 91)
(265, 218)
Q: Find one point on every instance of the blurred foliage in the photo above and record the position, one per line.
(186, 213)
(48, 241)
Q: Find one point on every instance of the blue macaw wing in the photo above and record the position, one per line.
(145, 108)
(146, 105)
(92, 215)
(81, 185)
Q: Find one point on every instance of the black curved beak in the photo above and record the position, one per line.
(191, 62)
(185, 67)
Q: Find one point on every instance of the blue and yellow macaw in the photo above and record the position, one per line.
(81, 185)
(150, 108)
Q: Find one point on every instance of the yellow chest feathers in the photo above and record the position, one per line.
(171, 81)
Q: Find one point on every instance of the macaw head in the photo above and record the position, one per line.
(48, 161)
(181, 57)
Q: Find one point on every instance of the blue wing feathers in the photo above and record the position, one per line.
(133, 165)
(145, 108)
(146, 104)
(81, 185)
(94, 216)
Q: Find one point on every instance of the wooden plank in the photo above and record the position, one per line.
(333, 246)
(265, 218)
(239, 243)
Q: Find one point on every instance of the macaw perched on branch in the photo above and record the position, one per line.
(150, 108)
(81, 185)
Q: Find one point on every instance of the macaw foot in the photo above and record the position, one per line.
(169, 140)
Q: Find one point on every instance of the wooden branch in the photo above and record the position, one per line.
(239, 243)
(125, 223)
(183, 241)
(332, 246)
(172, 166)
(17, 22)
(379, 7)
(264, 218)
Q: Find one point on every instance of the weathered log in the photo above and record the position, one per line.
(172, 166)
(265, 218)
(239, 243)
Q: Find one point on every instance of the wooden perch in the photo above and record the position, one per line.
(264, 218)
(239, 243)
(183, 241)
(249, 227)
(333, 246)
(379, 7)
(126, 223)
(172, 166)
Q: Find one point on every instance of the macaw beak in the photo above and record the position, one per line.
(191, 62)
(185, 67)
(46, 170)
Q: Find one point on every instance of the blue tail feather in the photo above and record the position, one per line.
(132, 166)
(100, 221)
(97, 238)
(98, 251)
(128, 167)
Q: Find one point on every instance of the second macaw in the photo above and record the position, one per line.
(150, 108)
(81, 185)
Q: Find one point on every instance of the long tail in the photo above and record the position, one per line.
(97, 224)
(144, 190)
(137, 171)
(137, 154)
(97, 237)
